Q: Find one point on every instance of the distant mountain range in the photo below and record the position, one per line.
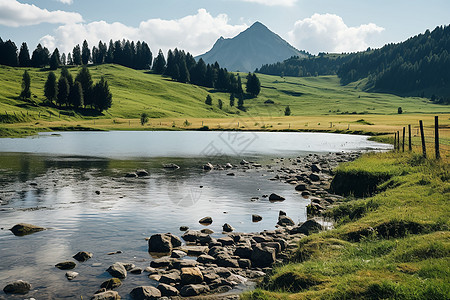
(250, 49)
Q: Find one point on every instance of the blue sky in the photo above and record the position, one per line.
(194, 25)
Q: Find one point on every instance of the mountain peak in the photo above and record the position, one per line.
(250, 49)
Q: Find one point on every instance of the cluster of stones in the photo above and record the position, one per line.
(311, 176)
(221, 263)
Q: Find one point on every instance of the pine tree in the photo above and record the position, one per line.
(110, 53)
(220, 103)
(76, 95)
(63, 59)
(76, 55)
(159, 64)
(85, 79)
(241, 101)
(102, 95)
(63, 91)
(208, 100)
(8, 53)
(287, 111)
(65, 73)
(253, 85)
(40, 57)
(184, 72)
(85, 53)
(24, 56)
(26, 82)
(232, 100)
(55, 60)
(69, 59)
(51, 87)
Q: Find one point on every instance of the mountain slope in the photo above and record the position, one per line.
(250, 49)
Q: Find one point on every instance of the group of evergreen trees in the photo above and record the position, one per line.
(126, 53)
(418, 66)
(323, 64)
(182, 67)
(79, 93)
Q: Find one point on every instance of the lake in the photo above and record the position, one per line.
(73, 183)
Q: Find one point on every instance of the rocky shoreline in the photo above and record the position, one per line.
(201, 266)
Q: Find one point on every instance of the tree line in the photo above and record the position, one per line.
(126, 53)
(419, 66)
(66, 91)
(322, 64)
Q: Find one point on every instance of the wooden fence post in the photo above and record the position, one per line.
(398, 140)
(422, 136)
(436, 137)
(403, 142)
(409, 136)
(395, 140)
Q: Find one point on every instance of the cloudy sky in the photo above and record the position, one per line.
(194, 25)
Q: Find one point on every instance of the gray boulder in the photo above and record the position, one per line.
(206, 220)
(301, 187)
(117, 270)
(227, 227)
(111, 284)
(285, 221)
(142, 173)
(71, 275)
(275, 197)
(208, 167)
(191, 275)
(308, 227)
(66, 265)
(145, 293)
(193, 290)
(314, 177)
(263, 257)
(160, 243)
(22, 229)
(167, 290)
(108, 295)
(17, 287)
(256, 218)
(83, 256)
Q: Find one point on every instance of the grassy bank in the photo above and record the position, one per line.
(392, 245)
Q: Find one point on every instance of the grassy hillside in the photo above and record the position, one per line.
(394, 245)
(317, 103)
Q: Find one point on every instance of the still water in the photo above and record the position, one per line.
(73, 183)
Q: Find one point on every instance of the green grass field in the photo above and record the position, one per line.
(136, 91)
(317, 104)
(394, 245)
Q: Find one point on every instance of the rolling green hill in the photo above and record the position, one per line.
(135, 92)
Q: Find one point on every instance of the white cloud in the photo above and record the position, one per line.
(66, 1)
(329, 33)
(15, 14)
(194, 33)
(274, 2)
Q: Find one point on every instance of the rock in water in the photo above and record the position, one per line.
(206, 221)
(145, 293)
(310, 226)
(108, 295)
(71, 275)
(208, 167)
(142, 173)
(22, 229)
(275, 197)
(111, 283)
(66, 265)
(285, 221)
(17, 287)
(83, 256)
(160, 243)
(256, 218)
(117, 270)
(227, 227)
(171, 166)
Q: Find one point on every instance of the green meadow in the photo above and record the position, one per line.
(393, 245)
